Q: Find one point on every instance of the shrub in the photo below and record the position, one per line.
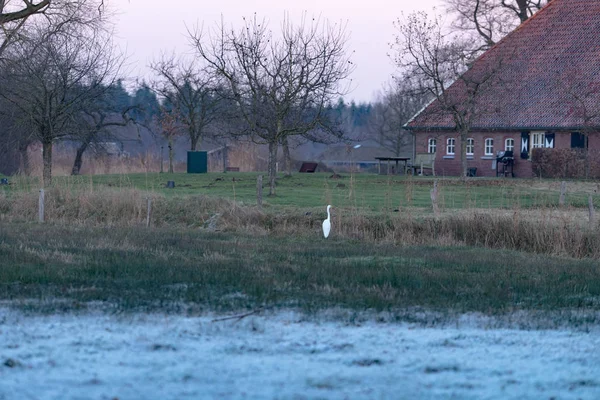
(565, 163)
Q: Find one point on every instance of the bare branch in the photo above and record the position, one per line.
(189, 90)
(488, 21)
(28, 9)
(279, 85)
(18, 18)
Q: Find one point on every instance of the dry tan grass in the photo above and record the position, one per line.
(93, 164)
(546, 230)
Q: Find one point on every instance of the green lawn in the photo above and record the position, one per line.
(368, 192)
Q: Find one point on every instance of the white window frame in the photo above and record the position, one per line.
(450, 146)
(431, 144)
(470, 145)
(537, 140)
(489, 147)
(508, 147)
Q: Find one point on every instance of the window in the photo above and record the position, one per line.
(450, 146)
(489, 147)
(537, 140)
(509, 144)
(578, 140)
(431, 144)
(470, 146)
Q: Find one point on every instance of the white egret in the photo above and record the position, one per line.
(327, 223)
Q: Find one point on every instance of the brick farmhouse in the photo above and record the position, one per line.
(544, 93)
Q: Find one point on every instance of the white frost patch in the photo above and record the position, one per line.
(281, 356)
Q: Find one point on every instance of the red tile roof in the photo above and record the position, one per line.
(548, 78)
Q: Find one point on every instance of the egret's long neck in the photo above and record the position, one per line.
(328, 216)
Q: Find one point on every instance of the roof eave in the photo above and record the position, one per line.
(504, 128)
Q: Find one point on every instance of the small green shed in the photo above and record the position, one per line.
(197, 162)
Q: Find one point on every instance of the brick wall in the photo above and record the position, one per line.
(450, 165)
(594, 141)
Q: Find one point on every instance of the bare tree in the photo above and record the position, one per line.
(389, 115)
(437, 64)
(170, 128)
(488, 21)
(52, 81)
(192, 91)
(17, 17)
(280, 84)
(93, 127)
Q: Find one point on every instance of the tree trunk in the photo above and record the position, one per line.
(463, 153)
(194, 142)
(225, 159)
(171, 155)
(287, 159)
(25, 163)
(47, 157)
(78, 159)
(522, 10)
(161, 159)
(272, 166)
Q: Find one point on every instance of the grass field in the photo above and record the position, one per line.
(365, 191)
(497, 246)
(167, 269)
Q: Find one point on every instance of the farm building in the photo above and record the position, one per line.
(360, 157)
(242, 157)
(542, 101)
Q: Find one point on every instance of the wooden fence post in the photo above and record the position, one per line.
(149, 212)
(41, 206)
(259, 187)
(434, 197)
(563, 191)
(592, 213)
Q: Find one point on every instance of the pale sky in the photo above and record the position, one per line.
(147, 27)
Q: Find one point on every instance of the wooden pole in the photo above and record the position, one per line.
(149, 212)
(161, 159)
(592, 213)
(434, 198)
(563, 191)
(259, 187)
(41, 206)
